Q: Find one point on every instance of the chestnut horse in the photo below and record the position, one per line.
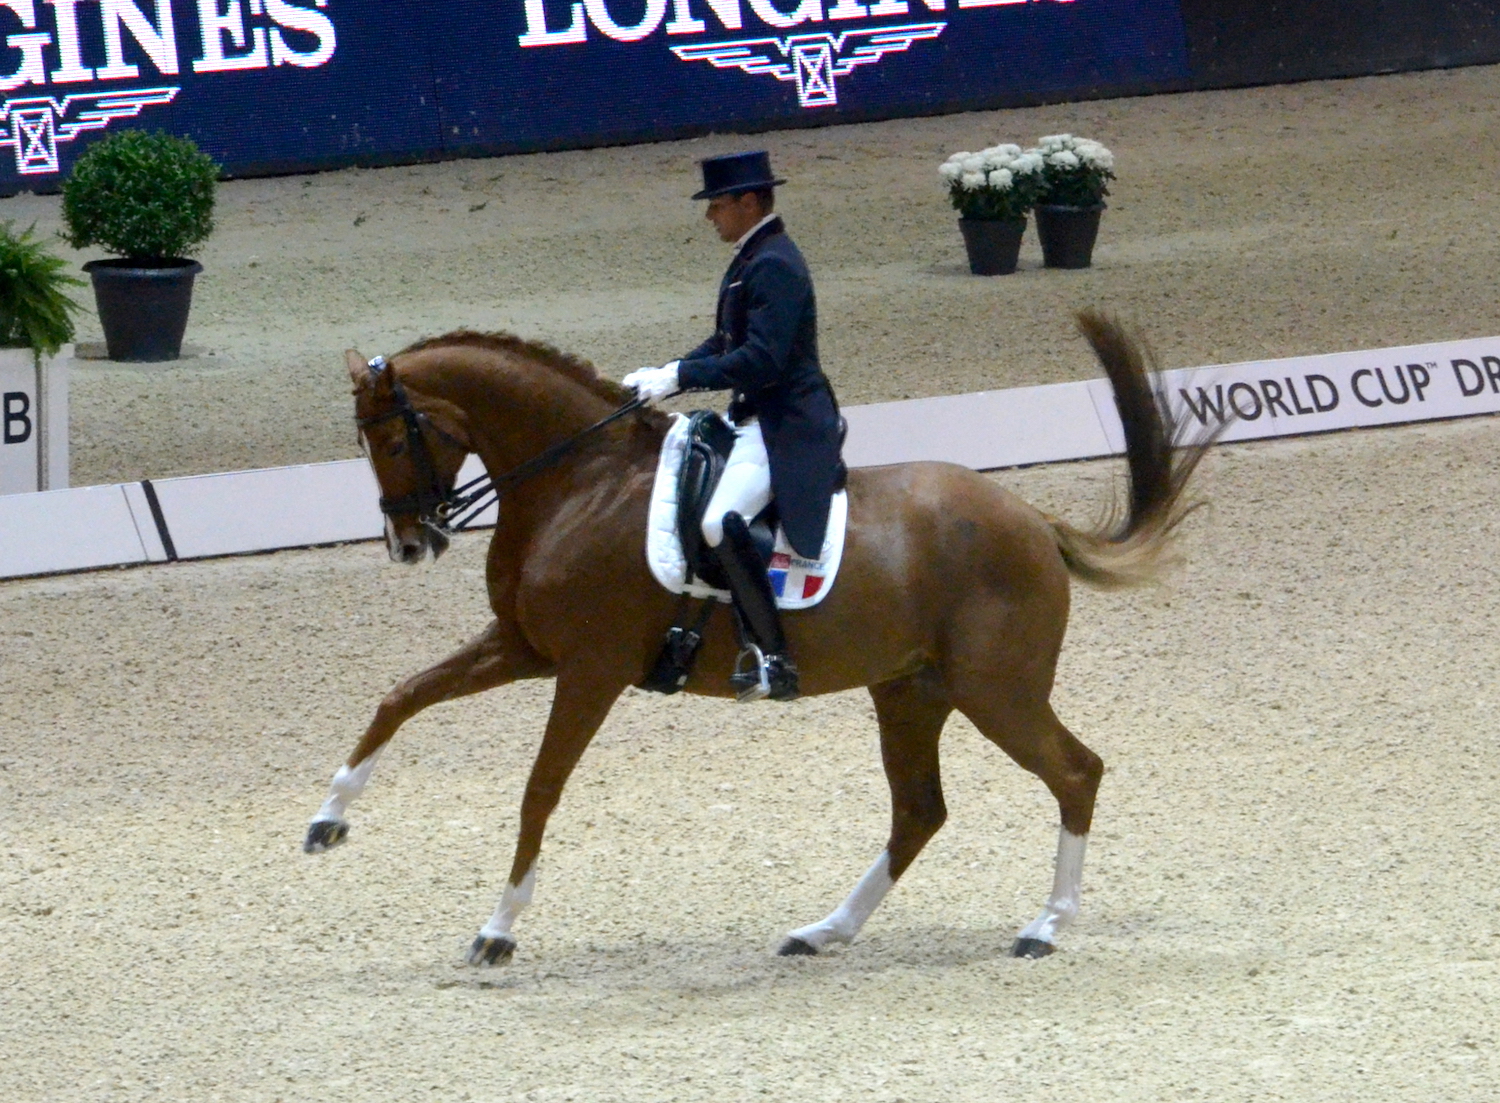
(952, 594)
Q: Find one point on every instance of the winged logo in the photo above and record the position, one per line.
(813, 61)
(38, 124)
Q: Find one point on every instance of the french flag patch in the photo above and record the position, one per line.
(794, 577)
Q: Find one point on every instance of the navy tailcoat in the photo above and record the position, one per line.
(765, 347)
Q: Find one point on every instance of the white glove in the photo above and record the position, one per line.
(654, 384)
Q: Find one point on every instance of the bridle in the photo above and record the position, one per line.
(453, 509)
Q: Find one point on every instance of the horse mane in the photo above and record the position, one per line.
(573, 367)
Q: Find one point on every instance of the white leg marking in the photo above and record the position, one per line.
(513, 901)
(347, 784)
(844, 922)
(1067, 886)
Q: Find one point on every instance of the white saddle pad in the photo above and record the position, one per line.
(799, 583)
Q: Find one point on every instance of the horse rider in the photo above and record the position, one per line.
(788, 434)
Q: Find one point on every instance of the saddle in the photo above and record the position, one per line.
(709, 441)
(692, 461)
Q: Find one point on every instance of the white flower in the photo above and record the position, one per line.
(951, 171)
(974, 162)
(972, 181)
(1001, 179)
(1028, 163)
(1094, 155)
(1051, 142)
(1064, 159)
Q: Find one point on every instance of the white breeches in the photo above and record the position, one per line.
(745, 486)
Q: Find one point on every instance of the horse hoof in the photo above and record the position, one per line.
(795, 947)
(324, 835)
(1032, 948)
(491, 951)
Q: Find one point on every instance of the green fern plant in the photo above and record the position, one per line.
(35, 309)
(142, 194)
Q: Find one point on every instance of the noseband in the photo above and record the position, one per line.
(438, 507)
(430, 501)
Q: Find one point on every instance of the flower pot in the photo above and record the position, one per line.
(993, 246)
(143, 305)
(1068, 234)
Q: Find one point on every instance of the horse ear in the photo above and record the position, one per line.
(359, 371)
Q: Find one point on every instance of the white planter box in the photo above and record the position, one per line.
(33, 421)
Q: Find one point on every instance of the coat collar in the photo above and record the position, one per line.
(756, 238)
(753, 233)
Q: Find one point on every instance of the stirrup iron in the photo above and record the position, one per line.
(753, 684)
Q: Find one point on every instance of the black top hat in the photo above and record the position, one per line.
(735, 173)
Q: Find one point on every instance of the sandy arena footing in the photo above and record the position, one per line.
(1289, 892)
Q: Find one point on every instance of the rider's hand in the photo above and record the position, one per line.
(653, 384)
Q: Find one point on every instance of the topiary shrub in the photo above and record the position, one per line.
(142, 194)
(35, 310)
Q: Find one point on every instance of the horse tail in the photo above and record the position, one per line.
(1133, 546)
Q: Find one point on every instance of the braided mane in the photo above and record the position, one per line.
(574, 367)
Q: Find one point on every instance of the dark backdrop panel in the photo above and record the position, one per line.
(411, 80)
(372, 99)
(1238, 42)
(372, 102)
(497, 94)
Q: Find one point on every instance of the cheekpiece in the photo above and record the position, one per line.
(735, 173)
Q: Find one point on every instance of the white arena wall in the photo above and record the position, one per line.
(240, 512)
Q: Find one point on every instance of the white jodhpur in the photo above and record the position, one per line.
(348, 783)
(513, 901)
(745, 486)
(1067, 887)
(844, 922)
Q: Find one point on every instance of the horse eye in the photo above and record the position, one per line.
(397, 448)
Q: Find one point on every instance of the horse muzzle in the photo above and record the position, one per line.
(412, 546)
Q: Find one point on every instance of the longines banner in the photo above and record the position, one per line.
(282, 84)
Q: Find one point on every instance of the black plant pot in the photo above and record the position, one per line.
(1068, 234)
(993, 246)
(143, 305)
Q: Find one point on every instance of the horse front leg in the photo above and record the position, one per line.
(495, 656)
(582, 701)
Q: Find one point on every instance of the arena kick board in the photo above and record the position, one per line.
(240, 512)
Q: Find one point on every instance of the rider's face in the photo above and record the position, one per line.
(733, 215)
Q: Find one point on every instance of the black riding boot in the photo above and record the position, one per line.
(774, 674)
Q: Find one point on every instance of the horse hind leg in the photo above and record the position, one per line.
(911, 712)
(1040, 744)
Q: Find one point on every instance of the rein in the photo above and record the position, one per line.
(442, 508)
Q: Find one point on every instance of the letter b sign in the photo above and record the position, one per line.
(17, 413)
